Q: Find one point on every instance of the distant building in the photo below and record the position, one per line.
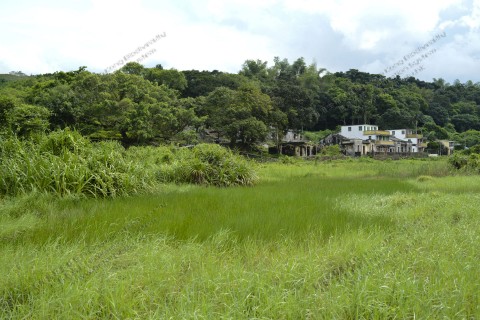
(359, 131)
(293, 143)
(372, 139)
(367, 139)
(418, 144)
(448, 146)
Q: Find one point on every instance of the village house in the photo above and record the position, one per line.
(294, 143)
(418, 145)
(448, 145)
(366, 139)
(360, 140)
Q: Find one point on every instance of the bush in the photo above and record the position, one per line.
(466, 161)
(208, 164)
(287, 159)
(64, 163)
(331, 151)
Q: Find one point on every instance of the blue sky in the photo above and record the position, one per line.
(369, 35)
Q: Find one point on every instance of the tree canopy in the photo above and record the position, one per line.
(140, 105)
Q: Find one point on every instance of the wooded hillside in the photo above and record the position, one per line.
(139, 105)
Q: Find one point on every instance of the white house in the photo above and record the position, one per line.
(373, 140)
(367, 139)
(418, 144)
(357, 131)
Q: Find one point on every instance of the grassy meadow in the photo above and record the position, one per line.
(343, 239)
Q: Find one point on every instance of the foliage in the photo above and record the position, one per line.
(28, 120)
(288, 159)
(171, 78)
(133, 68)
(468, 138)
(331, 151)
(240, 115)
(64, 163)
(123, 105)
(6, 107)
(433, 131)
(316, 136)
(149, 106)
(467, 160)
(209, 164)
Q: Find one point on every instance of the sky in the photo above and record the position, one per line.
(424, 38)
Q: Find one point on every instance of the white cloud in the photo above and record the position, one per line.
(214, 34)
(473, 20)
(358, 21)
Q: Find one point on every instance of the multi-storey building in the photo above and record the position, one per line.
(366, 139)
(418, 145)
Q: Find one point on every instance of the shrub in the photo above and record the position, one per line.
(333, 150)
(466, 161)
(209, 164)
(288, 159)
(64, 163)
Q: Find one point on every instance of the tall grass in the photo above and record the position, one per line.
(303, 245)
(337, 240)
(64, 163)
(413, 168)
(268, 211)
(357, 167)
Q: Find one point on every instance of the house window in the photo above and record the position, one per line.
(403, 131)
(369, 137)
(360, 128)
(349, 128)
(393, 133)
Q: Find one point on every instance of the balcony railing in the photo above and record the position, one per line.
(376, 132)
(384, 143)
(414, 135)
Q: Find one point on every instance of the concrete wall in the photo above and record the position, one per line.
(356, 131)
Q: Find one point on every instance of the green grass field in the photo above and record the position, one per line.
(347, 239)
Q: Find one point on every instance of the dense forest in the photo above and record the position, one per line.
(138, 105)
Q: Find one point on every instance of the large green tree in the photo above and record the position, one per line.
(240, 115)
